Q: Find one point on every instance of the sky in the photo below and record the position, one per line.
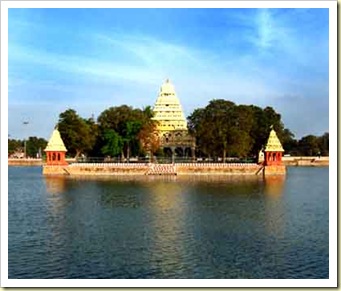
(92, 59)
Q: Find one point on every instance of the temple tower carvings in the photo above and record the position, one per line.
(168, 111)
(172, 125)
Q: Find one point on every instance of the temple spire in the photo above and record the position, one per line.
(167, 109)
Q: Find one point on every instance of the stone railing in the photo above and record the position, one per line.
(112, 165)
(156, 169)
(218, 165)
(218, 168)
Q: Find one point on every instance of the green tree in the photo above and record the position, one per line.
(224, 128)
(34, 146)
(76, 132)
(309, 145)
(113, 143)
(323, 142)
(127, 123)
(15, 146)
(212, 127)
(131, 131)
(95, 150)
(240, 140)
(148, 136)
(197, 128)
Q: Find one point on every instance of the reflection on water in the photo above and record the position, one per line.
(55, 184)
(168, 201)
(168, 227)
(274, 207)
(274, 186)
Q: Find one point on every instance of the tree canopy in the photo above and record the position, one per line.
(34, 146)
(223, 128)
(79, 135)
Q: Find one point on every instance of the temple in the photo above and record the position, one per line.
(55, 150)
(172, 125)
(273, 155)
(273, 150)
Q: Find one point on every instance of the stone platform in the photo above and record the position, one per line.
(274, 170)
(105, 169)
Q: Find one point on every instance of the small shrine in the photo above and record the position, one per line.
(55, 150)
(273, 150)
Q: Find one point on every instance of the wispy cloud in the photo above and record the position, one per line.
(149, 49)
(266, 32)
(254, 56)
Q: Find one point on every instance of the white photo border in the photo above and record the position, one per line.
(331, 282)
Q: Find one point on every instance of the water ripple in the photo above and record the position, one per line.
(168, 228)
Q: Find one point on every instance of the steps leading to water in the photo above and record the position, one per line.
(161, 169)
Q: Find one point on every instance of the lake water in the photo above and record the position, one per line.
(168, 227)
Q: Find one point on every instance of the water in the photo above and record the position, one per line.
(168, 227)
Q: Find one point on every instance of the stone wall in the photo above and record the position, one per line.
(274, 170)
(107, 169)
(218, 169)
(143, 169)
(25, 162)
(306, 161)
(55, 170)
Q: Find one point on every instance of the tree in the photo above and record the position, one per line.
(219, 117)
(309, 145)
(15, 146)
(76, 132)
(34, 146)
(131, 131)
(197, 127)
(95, 150)
(240, 140)
(127, 122)
(288, 141)
(149, 139)
(148, 135)
(323, 142)
(234, 130)
(113, 143)
(211, 126)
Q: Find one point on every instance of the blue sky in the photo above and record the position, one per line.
(92, 59)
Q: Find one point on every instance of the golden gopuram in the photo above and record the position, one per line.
(172, 125)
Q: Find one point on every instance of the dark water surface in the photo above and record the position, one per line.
(168, 227)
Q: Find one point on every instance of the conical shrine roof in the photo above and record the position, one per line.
(55, 143)
(273, 144)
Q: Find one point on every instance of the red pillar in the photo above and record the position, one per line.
(55, 158)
